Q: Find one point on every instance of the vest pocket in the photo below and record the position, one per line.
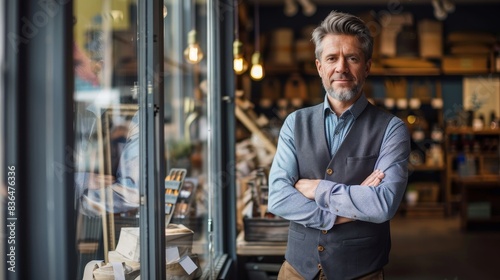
(364, 241)
(295, 234)
(361, 166)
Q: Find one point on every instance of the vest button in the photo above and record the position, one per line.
(329, 171)
(324, 231)
(319, 266)
(321, 248)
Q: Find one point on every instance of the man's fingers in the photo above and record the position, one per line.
(373, 179)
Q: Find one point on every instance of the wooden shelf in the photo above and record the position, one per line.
(487, 175)
(379, 71)
(484, 181)
(425, 168)
(423, 209)
(469, 130)
(479, 189)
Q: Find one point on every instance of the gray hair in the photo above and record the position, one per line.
(342, 23)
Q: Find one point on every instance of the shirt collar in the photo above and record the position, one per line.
(355, 109)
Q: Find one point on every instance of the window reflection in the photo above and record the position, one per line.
(186, 122)
(106, 127)
(106, 131)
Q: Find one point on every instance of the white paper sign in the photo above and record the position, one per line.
(172, 254)
(188, 265)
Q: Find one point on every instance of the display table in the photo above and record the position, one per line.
(260, 259)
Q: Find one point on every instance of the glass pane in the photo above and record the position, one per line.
(106, 134)
(186, 125)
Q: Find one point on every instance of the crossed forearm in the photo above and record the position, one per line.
(308, 188)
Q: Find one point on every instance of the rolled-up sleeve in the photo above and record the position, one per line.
(378, 203)
(284, 200)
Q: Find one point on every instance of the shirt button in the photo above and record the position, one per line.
(324, 231)
(319, 266)
(321, 248)
(329, 171)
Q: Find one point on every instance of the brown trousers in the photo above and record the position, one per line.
(287, 272)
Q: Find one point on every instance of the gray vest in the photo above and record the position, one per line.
(353, 249)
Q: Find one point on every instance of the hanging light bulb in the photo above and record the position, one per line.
(193, 52)
(257, 71)
(240, 65)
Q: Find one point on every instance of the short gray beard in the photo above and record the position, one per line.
(344, 94)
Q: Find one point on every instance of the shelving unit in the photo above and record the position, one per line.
(480, 201)
(473, 174)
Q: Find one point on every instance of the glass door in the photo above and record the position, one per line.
(114, 131)
(192, 130)
(148, 138)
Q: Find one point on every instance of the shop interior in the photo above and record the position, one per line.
(435, 66)
(169, 132)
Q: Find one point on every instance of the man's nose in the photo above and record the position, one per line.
(342, 66)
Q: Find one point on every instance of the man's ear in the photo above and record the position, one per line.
(318, 66)
(368, 66)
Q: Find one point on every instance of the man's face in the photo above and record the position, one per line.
(342, 67)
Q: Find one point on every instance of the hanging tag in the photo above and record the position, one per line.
(172, 254)
(188, 264)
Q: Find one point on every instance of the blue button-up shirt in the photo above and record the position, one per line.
(373, 204)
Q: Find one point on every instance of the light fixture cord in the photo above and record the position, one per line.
(257, 26)
(193, 14)
(236, 23)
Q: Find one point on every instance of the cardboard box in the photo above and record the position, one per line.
(430, 33)
(391, 25)
(179, 236)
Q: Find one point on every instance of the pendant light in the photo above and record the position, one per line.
(240, 65)
(257, 71)
(193, 53)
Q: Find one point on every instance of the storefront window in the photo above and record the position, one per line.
(106, 135)
(107, 142)
(188, 118)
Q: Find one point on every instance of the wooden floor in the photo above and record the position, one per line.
(436, 248)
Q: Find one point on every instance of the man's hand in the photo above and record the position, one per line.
(308, 188)
(373, 179)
